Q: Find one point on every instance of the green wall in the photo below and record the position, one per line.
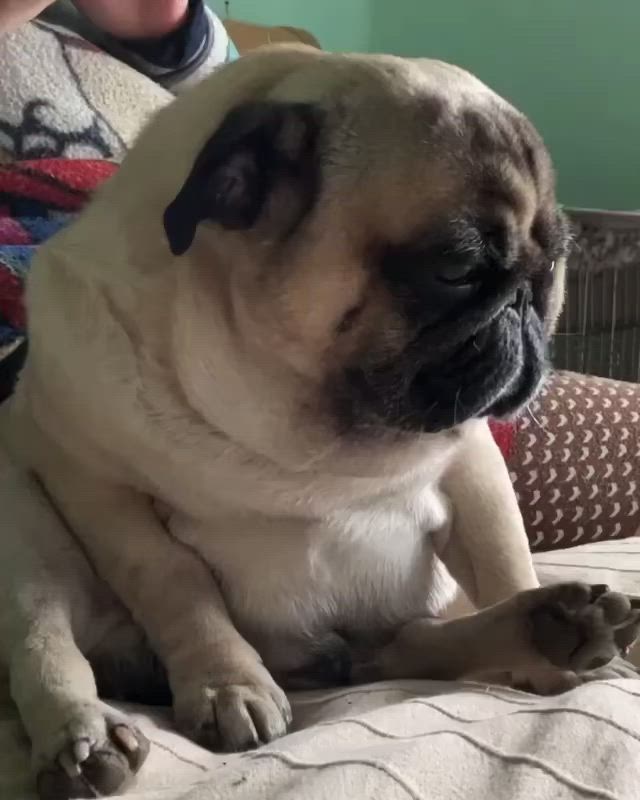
(338, 24)
(572, 65)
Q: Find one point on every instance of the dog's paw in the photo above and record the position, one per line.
(579, 627)
(233, 717)
(615, 670)
(94, 753)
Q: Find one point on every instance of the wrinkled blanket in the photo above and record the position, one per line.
(418, 740)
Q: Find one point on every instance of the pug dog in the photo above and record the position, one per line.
(248, 450)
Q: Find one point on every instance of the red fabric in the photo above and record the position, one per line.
(504, 435)
(11, 231)
(62, 183)
(84, 175)
(37, 198)
(11, 307)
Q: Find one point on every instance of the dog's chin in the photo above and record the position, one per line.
(495, 373)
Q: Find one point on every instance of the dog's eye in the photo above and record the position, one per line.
(459, 273)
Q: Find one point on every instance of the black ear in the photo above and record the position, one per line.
(256, 146)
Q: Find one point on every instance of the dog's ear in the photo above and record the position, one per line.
(257, 146)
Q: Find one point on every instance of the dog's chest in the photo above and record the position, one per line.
(289, 581)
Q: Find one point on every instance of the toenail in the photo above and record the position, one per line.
(82, 750)
(126, 738)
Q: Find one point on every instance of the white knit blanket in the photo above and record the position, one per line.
(61, 97)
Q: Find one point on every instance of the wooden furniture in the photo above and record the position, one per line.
(247, 36)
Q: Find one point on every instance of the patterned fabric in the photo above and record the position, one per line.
(575, 462)
(418, 740)
(36, 199)
(62, 97)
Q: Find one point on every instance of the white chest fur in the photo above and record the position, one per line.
(289, 581)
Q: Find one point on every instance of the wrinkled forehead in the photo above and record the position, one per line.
(420, 140)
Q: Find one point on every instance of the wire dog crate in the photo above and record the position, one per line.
(599, 331)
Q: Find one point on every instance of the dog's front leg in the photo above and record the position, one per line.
(223, 695)
(569, 626)
(50, 601)
(487, 550)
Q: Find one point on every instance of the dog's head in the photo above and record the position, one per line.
(387, 241)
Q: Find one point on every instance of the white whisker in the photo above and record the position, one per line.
(533, 417)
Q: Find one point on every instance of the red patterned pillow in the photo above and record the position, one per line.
(574, 459)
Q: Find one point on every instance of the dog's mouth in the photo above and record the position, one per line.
(494, 371)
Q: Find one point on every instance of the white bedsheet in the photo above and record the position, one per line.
(414, 741)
